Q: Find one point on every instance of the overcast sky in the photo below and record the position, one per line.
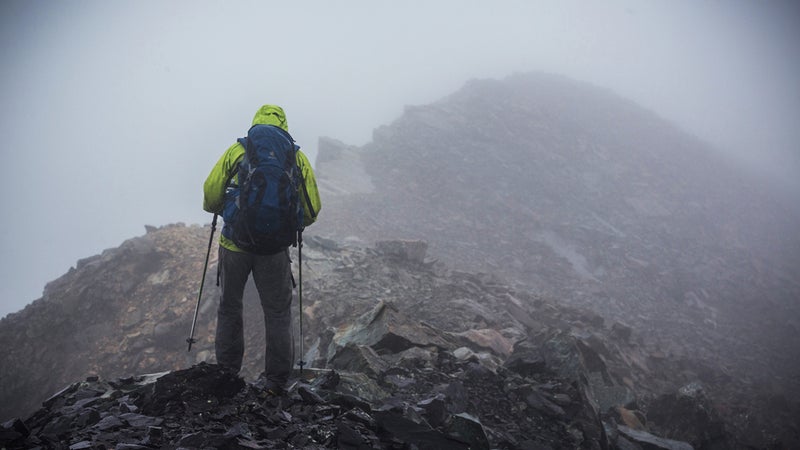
(113, 112)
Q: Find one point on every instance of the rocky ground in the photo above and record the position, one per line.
(403, 351)
(396, 384)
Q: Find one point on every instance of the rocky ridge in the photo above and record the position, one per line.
(411, 344)
(501, 369)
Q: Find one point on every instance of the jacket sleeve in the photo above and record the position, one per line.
(310, 194)
(214, 187)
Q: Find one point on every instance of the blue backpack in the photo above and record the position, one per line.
(263, 212)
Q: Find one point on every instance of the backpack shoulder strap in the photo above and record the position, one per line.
(234, 171)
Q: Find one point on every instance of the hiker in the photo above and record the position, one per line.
(270, 265)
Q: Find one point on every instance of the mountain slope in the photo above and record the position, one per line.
(124, 311)
(585, 197)
(557, 219)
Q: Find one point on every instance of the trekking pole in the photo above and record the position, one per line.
(300, 363)
(191, 339)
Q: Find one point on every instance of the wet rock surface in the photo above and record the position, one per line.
(446, 403)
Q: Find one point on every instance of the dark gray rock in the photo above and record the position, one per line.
(419, 435)
(649, 442)
(688, 415)
(410, 251)
(358, 358)
(385, 328)
(526, 360)
(469, 429)
(435, 410)
(13, 430)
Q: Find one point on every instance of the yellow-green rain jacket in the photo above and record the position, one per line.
(214, 187)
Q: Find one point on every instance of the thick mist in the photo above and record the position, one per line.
(113, 113)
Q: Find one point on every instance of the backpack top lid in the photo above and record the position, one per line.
(268, 141)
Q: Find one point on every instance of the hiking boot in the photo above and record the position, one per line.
(228, 370)
(270, 388)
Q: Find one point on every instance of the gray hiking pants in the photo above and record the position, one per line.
(272, 277)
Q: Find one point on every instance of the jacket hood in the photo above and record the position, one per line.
(271, 115)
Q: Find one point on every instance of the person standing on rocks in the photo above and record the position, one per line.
(225, 193)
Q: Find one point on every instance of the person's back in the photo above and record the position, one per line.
(270, 265)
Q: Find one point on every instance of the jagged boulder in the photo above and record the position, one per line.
(411, 251)
(386, 329)
(688, 413)
(648, 441)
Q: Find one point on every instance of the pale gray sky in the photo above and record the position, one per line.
(113, 112)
